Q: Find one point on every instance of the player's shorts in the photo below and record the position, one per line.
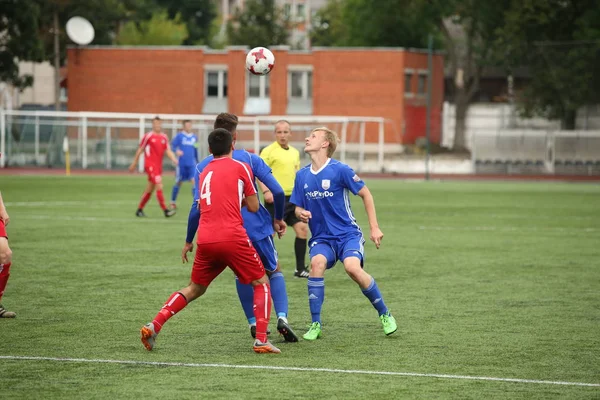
(339, 248)
(267, 253)
(184, 173)
(154, 174)
(3, 230)
(212, 258)
(289, 211)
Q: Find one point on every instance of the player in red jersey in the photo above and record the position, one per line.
(225, 186)
(153, 145)
(5, 258)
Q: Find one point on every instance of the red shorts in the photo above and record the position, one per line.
(3, 230)
(239, 255)
(154, 174)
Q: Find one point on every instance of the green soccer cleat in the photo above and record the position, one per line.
(314, 332)
(389, 323)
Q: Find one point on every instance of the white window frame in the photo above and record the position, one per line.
(221, 70)
(304, 70)
(262, 87)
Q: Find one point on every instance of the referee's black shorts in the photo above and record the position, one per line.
(289, 211)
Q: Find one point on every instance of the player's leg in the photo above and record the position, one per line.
(146, 195)
(204, 271)
(248, 267)
(161, 197)
(301, 231)
(176, 186)
(352, 256)
(5, 262)
(322, 256)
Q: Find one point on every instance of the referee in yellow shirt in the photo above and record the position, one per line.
(284, 160)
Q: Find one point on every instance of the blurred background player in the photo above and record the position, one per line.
(153, 145)
(222, 241)
(284, 160)
(259, 227)
(185, 147)
(321, 199)
(5, 258)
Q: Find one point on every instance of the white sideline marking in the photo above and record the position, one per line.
(300, 369)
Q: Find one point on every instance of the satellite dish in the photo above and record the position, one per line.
(80, 30)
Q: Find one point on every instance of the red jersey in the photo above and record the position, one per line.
(154, 145)
(223, 183)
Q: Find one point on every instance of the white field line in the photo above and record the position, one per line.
(298, 369)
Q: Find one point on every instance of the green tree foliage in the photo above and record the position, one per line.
(160, 30)
(328, 27)
(19, 40)
(261, 23)
(197, 15)
(560, 43)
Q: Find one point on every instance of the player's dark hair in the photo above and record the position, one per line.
(185, 121)
(226, 121)
(157, 118)
(219, 142)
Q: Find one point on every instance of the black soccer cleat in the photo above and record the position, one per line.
(140, 213)
(170, 213)
(303, 273)
(286, 331)
(253, 331)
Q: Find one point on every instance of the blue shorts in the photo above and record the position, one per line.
(267, 253)
(184, 173)
(340, 248)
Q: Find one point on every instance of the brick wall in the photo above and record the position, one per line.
(348, 82)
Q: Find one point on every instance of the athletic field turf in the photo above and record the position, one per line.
(495, 286)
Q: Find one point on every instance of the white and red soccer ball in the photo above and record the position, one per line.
(260, 61)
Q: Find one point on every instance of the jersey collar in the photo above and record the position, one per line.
(320, 169)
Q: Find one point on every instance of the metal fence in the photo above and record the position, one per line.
(109, 140)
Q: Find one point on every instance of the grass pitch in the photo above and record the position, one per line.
(494, 280)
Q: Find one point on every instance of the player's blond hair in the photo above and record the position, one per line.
(331, 137)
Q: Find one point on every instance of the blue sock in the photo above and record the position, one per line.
(174, 193)
(279, 294)
(316, 295)
(374, 295)
(246, 295)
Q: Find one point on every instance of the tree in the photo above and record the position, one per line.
(328, 27)
(260, 23)
(559, 41)
(197, 15)
(159, 31)
(19, 40)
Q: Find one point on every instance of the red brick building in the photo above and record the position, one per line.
(376, 82)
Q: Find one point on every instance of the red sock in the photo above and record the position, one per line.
(144, 200)
(262, 310)
(4, 274)
(176, 303)
(161, 199)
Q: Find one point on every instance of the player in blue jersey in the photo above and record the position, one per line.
(321, 195)
(259, 227)
(184, 145)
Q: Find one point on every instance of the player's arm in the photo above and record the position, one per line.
(297, 198)
(3, 214)
(369, 202)
(251, 203)
(172, 156)
(136, 158)
(176, 144)
(250, 195)
(193, 220)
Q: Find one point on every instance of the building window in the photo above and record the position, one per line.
(287, 10)
(300, 10)
(215, 89)
(300, 90)
(408, 77)
(422, 83)
(258, 101)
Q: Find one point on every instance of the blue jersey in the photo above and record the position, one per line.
(259, 225)
(325, 194)
(186, 142)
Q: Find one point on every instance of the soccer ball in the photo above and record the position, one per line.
(260, 61)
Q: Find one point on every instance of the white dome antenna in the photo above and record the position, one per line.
(80, 30)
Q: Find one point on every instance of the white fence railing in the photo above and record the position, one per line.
(109, 140)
